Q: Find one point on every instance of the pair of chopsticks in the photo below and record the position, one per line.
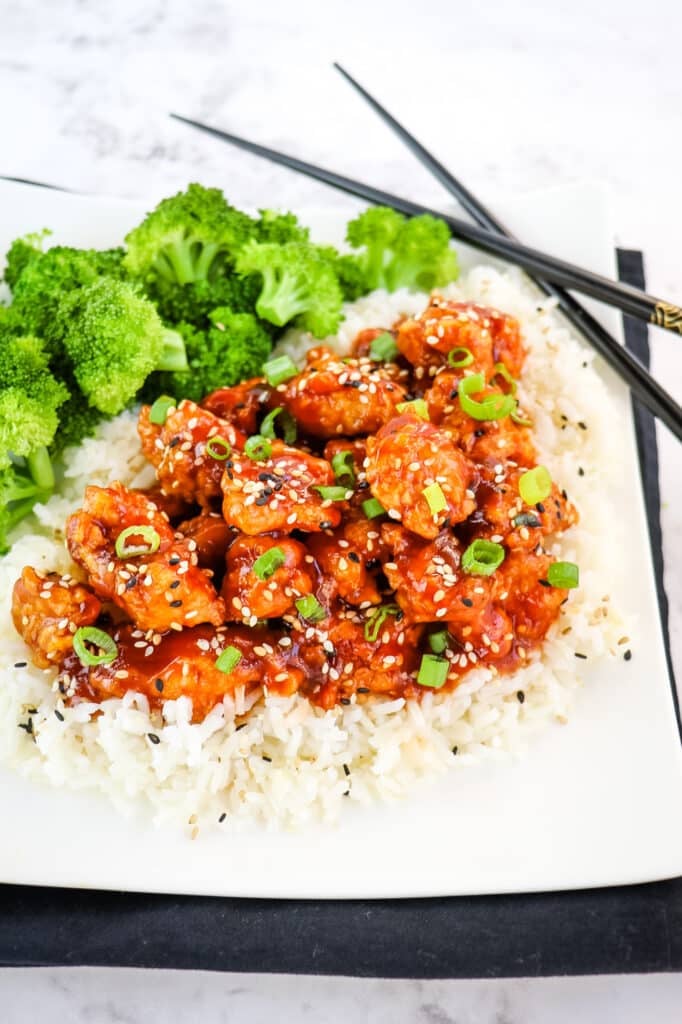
(491, 236)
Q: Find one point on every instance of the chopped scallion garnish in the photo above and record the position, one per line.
(535, 485)
(418, 407)
(373, 508)
(461, 356)
(332, 493)
(344, 469)
(160, 409)
(435, 498)
(500, 370)
(482, 557)
(218, 448)
(433, 671)
(383, 348)
(228, 659)
(147, 533)
(519, 418)
(563, 574)
(438, 642)
(286, 421)
(377, 619)
(492, 407)
(310, 608)
(277, 370)
(268, 563)
(258, 448)
(98, 638)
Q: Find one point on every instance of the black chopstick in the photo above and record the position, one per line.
(631, 370)
(650, 393)
(614, 293)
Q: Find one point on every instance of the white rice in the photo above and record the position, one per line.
(379, 750)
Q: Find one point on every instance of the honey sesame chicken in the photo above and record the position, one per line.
(189, 451)
(333, 396)
(155, 579)
(323, 566)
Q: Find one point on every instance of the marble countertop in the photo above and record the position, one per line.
(513, 97)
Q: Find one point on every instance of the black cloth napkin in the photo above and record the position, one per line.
(598, 931)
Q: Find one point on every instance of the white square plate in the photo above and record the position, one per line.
(593, 803)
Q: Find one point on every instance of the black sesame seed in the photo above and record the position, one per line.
(520, 696)
(453, 394)
(363, 485)
(480, 432)
(579, 655)
(345, 700)
(325, 525)
(27, 726)
(583, 426)
(346, 769)
(266, 758)
(174, 441)
(132, 582)
(581, 471)
(353, 556)
(347, 793)
(627, 655)
(174, 560)
(153, 738)
(467, 602)
(544, 583)
(454, 750)
(20, 664)
(564, 494)
(176, 603)
(540, 507)
(262, 499)
(363, 689)
(243, 725)
(158, 683)
(222, 817)
(175, 584)
(58, 715)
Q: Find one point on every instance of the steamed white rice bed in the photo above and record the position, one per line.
(199, 771)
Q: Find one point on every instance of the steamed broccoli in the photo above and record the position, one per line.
(232, 349)
(21, 252)
(278, 227)
(188, 237)
(43, 278)
(298, 282)
(192, 302)
(29, 399)
(401, 253)
(114, 339)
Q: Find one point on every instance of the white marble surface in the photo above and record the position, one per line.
(513, 96)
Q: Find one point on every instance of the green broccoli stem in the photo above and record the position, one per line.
(173, 355)
(40, 467)
(283, 297)
(190, 261)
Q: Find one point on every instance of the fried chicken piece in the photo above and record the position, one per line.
(184, 665)
(481, 440)
(490, 336)
(343, 559)
(243, 404)
(502, 515)
(178, 451)
(409, 455)
(160, 590)
(279, 494)
(212, 537)
(248, 597)
(333, 396)
(522, 588)
(47, 609)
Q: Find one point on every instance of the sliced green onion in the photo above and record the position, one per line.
(436, 499)
(493, 407)
(159, 410)
(438, 642)
(258, 448)
(218, 448)
(519, 418)
(418, 407)
(268, 563)
(97, 637)
(433, 671)
(332, 493)
(383, 348)
(535, 485)
(310, 608)
(500, 370)
(277, 370)
(287, 422)
(564, 574)
(344, 469)
(373, 508)
(149, 536)
(377, 619)
(460, 357)
(482, 558)
(228, 659)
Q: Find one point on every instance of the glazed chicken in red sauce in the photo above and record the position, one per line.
(370, 524)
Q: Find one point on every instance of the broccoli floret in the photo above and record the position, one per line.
(18, 494)
(21, 252)
(400, 253)
(29, 398)
(192, 303)
(298, 283)
(280, 227)
(188, 237)
(114, 339)
(46, 277)
(232, 349)
(349, 272)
